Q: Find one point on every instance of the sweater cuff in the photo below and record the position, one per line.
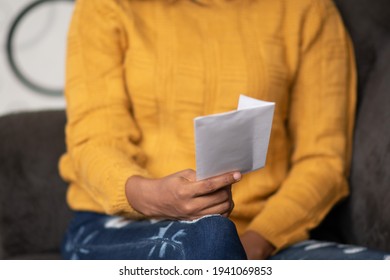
(119, 203)
(269, 231)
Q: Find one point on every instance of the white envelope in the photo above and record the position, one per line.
(235, 140)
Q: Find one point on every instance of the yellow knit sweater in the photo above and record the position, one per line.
(139, 71)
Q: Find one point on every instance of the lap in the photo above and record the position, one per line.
(97, 236)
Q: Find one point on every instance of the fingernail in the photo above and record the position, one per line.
(237, 176)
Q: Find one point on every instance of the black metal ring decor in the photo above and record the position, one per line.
(10, 53)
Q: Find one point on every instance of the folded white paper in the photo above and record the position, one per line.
(235, 140)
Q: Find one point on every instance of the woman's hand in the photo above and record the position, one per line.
(256, 246)
(180, 196)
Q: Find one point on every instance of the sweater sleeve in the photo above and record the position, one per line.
(321, 114)
(102, 136)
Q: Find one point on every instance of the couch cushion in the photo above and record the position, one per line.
(365, 217)
(34, 214)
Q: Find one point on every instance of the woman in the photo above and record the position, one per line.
(139, 71)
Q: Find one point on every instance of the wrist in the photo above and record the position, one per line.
(136, 190)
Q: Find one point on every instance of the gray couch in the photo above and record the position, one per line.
(34, 215)
(364, 218)
(33, 212)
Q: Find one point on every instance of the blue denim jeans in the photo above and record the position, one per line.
(96, 236)
(322, 250)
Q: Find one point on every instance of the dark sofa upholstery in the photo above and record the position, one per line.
(33, 212)
(34, 215)
(365, 217)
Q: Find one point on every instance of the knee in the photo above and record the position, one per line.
(216, 225)
(220, 238)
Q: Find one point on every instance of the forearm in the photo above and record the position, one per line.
(304, 198)
(102, 171)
